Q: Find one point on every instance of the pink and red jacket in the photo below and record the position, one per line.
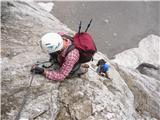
(67, 63)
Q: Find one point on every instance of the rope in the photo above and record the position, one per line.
(24, 99)
(92, 69)
(28, 90)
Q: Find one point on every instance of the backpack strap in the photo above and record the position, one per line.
(77, 65)
(69, 49)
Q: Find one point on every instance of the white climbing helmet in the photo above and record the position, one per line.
(51, 42)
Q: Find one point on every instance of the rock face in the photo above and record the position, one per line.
(145, 81)
(128, 96)
(147, 51)
(92, 99)
(22, 26)
(149, 70)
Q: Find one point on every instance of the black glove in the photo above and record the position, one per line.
(37, 70)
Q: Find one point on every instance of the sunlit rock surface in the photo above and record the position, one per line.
(140, 68)
(148, 51)
(46, 6)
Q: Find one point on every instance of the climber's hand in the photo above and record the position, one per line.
(37, 70)
(102, 74)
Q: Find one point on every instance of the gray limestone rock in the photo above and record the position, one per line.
(139, 67)
(85, 98)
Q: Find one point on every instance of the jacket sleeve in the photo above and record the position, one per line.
(66, 68)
